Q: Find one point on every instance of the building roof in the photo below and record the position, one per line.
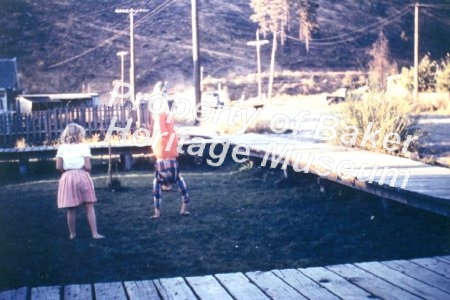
(57, 97)
(8, 73)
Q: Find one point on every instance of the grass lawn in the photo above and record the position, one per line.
(243, 219)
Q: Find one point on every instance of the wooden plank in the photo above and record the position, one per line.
(335, 283)
(46, 293)
(436, 264)
(144, 290)
(304, 285)
(273, 285)
(420, 273)
(109, 290)
(19, 294)
(78, 292)
(174, 288)
(240, 287)
(207, 287)
(407, 283)
(371, 283)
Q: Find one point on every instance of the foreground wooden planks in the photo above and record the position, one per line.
(403, 281)
(141, 290)
(207, 287)
(19, 294)
(273, 286)
(304, 285)
(421, 278)
(240, 287)
(174, 288)
(371, 283)
(78, 292)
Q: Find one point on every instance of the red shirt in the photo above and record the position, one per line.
(167, 144)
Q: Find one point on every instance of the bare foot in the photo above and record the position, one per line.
(98, 236)
(185, 213)
(156, 215)
(72, 236)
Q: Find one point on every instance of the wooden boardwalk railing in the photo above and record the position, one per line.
(421, 278)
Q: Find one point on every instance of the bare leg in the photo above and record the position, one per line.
(184, 196)
(184, 209)
(156, 198)
(90, 213)
(71, 221)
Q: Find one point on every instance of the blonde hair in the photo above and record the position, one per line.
(73, 134)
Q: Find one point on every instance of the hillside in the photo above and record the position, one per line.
(65, 46)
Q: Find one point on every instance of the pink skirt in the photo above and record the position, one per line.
(75, 187)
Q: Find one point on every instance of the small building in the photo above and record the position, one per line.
(41, 102)
(9, 84)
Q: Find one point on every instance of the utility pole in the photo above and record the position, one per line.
(122, 75)
(272, 67)
(258, 43)
(416, 52)
(196, 55)
(131, 12)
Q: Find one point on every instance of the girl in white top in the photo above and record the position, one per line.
(75, 185)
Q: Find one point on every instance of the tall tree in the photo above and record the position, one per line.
(271, 16)
(307, 15)
(381, 65)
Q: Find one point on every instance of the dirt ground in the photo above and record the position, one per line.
(243, 219)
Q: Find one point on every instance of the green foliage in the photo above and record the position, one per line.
(427, 74)
(407, 79)
(387, 115)
(433, 76)
(443, 75)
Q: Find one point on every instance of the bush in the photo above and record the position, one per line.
(385, 114)
(433, 76)
(443, 75)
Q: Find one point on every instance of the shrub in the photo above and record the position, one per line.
(433, 76)
(443, 75)
(386, 114)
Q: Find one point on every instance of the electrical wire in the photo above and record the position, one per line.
(114, 37)
(438, 6)
(439, 19)
(351, 35)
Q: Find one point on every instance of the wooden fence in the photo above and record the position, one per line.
(45, 127)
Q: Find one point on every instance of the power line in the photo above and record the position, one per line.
(114, 37)
(445, 21)
(354, 35)
(339, 39)
(89, 50)
(438, 6)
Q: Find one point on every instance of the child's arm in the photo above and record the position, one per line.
(87, 164)
(59, 164)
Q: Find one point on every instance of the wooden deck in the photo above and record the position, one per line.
(422, 278)
(395, 178)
